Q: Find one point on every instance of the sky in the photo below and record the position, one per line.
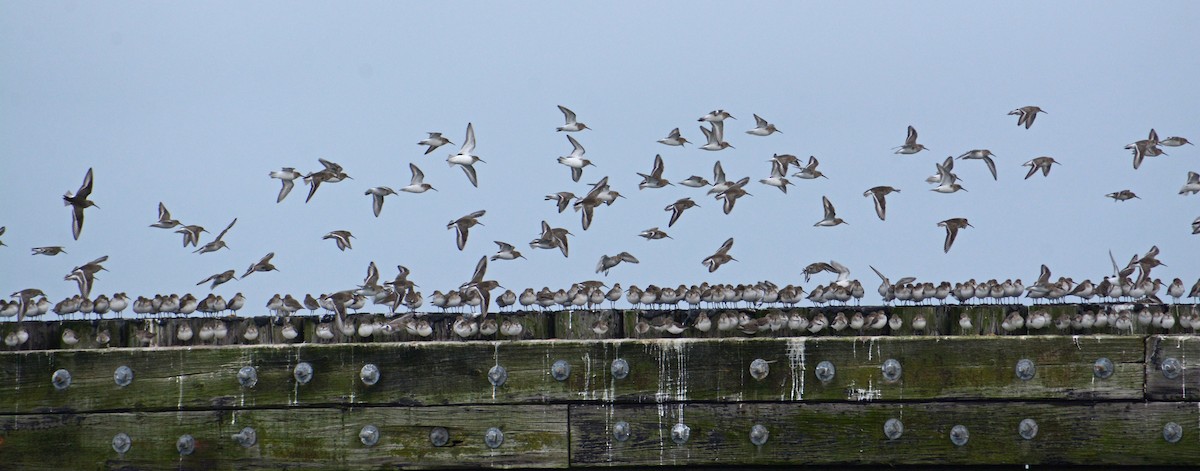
(193, 103)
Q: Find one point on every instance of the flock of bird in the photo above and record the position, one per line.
(1131, 283)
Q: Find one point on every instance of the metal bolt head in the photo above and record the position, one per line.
(891, 370)
(959, 435)
(893, 429)
(1171, 368)
(1028, 429)
(123, 375)
(1025, 369)
(621, 431)
(121, 443)
(439, 436)
(825, 371)
(246, 438)
(759, 369)
(493, 438)
(303, 372)
(759, 434)
(620, 368)
(185, 444)
(1172, 432)
(560, 370)
(369, 374)
(61, 379)
(247, 376)
(680, 433)
(497, 375)
(1103, 368)
(369, 435)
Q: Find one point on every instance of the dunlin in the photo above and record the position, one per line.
(506, 251)
(809, 172)
(716, 116)
(1123, 195)
(417, 183)
(715, 137)
(552, 237)
(217, 243)
(462, 225)
(678, 207)
(952, 226)
(84, 275)
(51, 250)
(263, 265)
(695, 181)
(562, 199)
(673, 139)
(218, 279)
(434, 141)
(572, 125)
(1026, 115)
(287, 176)
(1175, 141)
(1193, 184)
(191, 234)
(762, 127)
(984, 155)
(654, 179)
(731, 194)
(910, 143)
(587, 204)
(777, 178)
(164, 218)
(721, 257)
(377, 195)
(78, 202)
(341, 238)
(654, 233)
(607, 262)
(1145, 148)
(831, 218)
(1039, 163)
(947, 180)
(878, 195)
(575, 159)
(466, 158)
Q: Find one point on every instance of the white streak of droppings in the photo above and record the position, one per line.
(868, 394)
(671, 387)
(587, 377)
(496, 361)
(797, 366)
(1075, 341)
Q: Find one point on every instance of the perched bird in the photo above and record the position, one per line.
(673, 139)
(877, 195)
(831, 218)
(562, 199)
(777, 178)
(572, 125)
(952, 226)
(217, 243)
(678, 207)
(715, 136)
(608, 262)
(263, 265)
(809, 172)
(1039, 163)
(1192, 186)
(341, 238)
(434, 141)
(654, 179)
(218, 279)
(762, 127)
(164, 218)
(78, 202)
(721, 257)
(377, 195)
(984, 155)
(910, 143)
(462, 225)
(506, 251)
(1026, 115)
(50, 251)
(191, 234)
(1123, 195)
(654, 234)
(417, 183)
(287, 176)
(465, 157)
(575, 159)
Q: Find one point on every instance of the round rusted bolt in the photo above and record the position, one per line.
(1025, 369)
(247, 376)
(680, 433)
(303, 372)
(497, 375)
(825, 371)
(1103, 368)
(759, 369)
(493, 438)
(61, 379)
(369, 374)
(621, 431)
(1028, 429)
(1171, 368)
(439, 436)
(759, 435)
(121, 443)
(186, 444)
(560, 370)
(891, 370)
(959, 435)
(123, 375)
(1172, 432)
(620, 368)
(369, 435)
(893, 429)
(246, 438)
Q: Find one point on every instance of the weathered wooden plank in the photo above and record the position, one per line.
(1172, 372)
(533, 436)
(1123, 433)
(660, 369)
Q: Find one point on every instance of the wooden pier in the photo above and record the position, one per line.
(563, 392)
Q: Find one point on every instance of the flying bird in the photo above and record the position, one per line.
(721, 257)
(506, 251)
(377, 195)
(1026, 115)
(462, 225)
(164, 218)
(1039, 163)
(1175, 141)
(434, 141)
(78, 202)
(777, 178)
(287, 176)
(678, 207)
(552, 237)
(673, 139)
(654, 179)
(762, 127)
(716, 116)
(332, 173)
(1192, 186)
(910, 143)
(572, 125)
(218, 279)
(341, 238)
(417, 183)
(575, 159)
(191, 234)
(952, 226)
(877, 195)
(715, 136)
(984, 155)
(654, 233)
(217, 243)
(1145, 148)
(1123, 195)
(809, 172)
(465, 157)
(608, 262)
(49, 251)
(947, 180)
(263, 265)
(562, 199)
(831, 218)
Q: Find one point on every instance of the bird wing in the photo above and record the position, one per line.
(991, 165)
(469, 144)
(470, 171)
(227, 228)
(418, 177)
(880, 205)
(912, 136)
(728, 244)
(708, 135)
(951, 234)
(376, 203)
(86, 188)
(163, 214)
(568, 115)
(460, 236)
(77, 220)
(829, 211)
(287, 188)
(657, 171)
(626, 256)
(578, 150)
(480, 270)
(759, 122)
(718, 173)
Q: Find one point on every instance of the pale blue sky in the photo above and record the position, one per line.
(192, 104)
